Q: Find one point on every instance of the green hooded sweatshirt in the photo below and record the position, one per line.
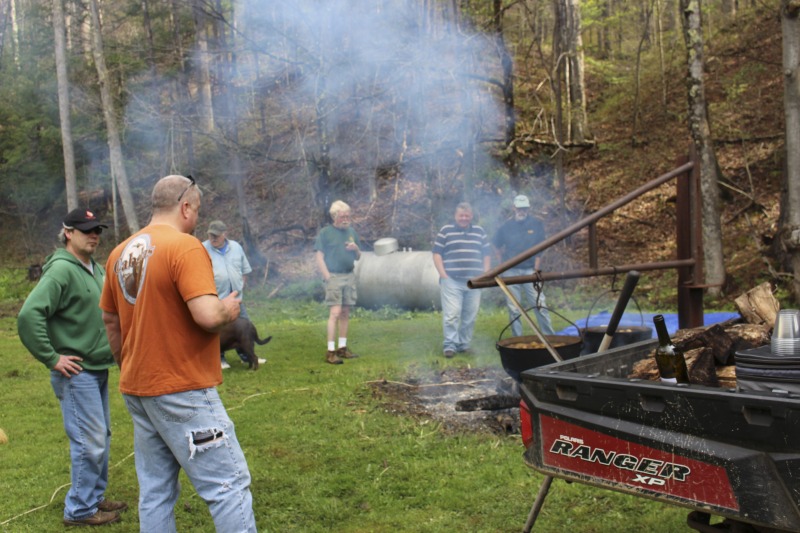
(61, 315)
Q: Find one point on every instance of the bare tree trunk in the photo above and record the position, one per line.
(579, 119)
(5, 19)
(637, 75)
(729, 8)
(507, 64)
(661, 66)
(605, 30)
(64, 105)
(790, 205)
(557, 75)
(701, 135)
(620, 33)
(118, 173)
(148, 27)
(206, 100)
(14, 32)
(231, 120)
(184, 97)
(322, 108)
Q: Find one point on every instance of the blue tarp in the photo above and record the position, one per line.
(646, 319)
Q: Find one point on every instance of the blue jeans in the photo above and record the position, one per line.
(542, 316)
(87, 421)
(189, 430)
(460, 306)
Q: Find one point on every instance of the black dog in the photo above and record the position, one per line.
(241, 335)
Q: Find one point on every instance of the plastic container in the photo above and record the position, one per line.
(786, 334)
(734, 454)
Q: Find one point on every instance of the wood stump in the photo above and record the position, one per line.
(758, 305)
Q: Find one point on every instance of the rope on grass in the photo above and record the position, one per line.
(131, 455)
(423, 385)
(36, 508)
(246, 398)
(54, 495)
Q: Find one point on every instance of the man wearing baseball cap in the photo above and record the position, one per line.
(518, 234)
(231, 268)
(61, 324)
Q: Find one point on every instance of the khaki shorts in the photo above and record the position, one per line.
(341, 289)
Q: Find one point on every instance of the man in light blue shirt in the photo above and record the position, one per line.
(230, 270)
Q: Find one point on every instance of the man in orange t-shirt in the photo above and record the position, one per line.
(162, 317)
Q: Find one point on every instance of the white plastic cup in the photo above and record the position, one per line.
(786, 333)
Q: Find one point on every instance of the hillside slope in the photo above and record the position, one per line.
(745, 94)
(744, 91)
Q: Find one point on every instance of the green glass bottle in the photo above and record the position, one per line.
(670, 360)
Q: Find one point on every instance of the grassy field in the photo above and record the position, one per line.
(325, 455)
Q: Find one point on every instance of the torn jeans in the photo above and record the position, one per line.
(189, 430)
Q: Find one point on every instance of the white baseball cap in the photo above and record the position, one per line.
(521, 201)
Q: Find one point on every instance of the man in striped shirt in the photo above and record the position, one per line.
(461, 251)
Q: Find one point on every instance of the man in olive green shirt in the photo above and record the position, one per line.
(337, 249)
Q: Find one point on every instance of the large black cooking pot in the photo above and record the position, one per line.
(517, 359)
(623, 335)
(592, 337)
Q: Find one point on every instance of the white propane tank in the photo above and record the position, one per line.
(403, 279)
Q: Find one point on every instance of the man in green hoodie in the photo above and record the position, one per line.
(61, 324)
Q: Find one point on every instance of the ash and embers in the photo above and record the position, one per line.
(434, 395)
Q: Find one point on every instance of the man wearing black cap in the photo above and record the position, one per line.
(61, 324)
(518, 234)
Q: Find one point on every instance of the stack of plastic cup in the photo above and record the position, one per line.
(786, 333)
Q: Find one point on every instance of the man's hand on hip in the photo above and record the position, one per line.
(67, 365)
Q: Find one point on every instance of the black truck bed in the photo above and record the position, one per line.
(735, 454)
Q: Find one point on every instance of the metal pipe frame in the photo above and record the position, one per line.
(689, 244)
(477, 283)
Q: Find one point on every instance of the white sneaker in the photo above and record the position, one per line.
(225, 365)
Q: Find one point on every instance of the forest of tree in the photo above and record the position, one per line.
(400, 107)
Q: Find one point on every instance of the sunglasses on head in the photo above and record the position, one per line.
(191, 182)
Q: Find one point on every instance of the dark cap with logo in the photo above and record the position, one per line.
(83, 220)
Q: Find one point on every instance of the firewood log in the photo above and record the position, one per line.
(488, 403)
(702, 368)
(746, 336)
(645, 368)
(710, 351)
(758, 305)
(727, 376)
(699, 361)
(713, 337)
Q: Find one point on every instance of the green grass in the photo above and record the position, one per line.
(324, 454)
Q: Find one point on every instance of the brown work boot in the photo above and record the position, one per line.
(332, 358)
(97, 519)
(345, 353)
(111, 505)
